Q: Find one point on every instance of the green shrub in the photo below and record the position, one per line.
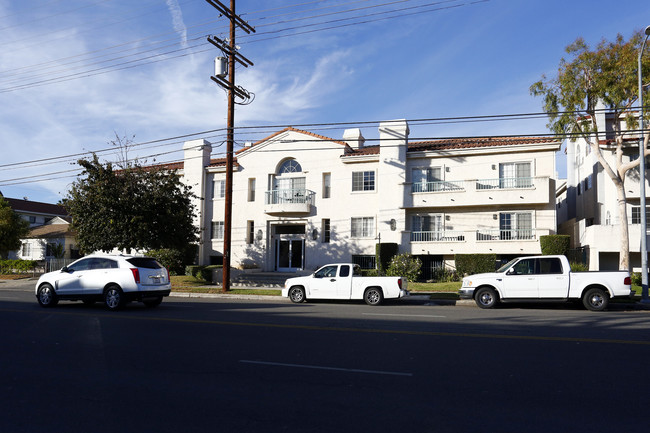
(172, 259)
(470, 264)
(203, 273)
(636, 278)
(554, 244)
(386, 252)
(405, 265)
(578, 267)
(16, 266)
(445, 275)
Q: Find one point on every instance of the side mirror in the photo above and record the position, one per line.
(64, 269)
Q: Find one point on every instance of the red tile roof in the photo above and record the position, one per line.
(473, 142)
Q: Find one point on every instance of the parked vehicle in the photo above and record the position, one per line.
(113, 279)
(342, 281)
(546, 278)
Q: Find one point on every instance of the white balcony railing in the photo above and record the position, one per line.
(440, 236)
(289, 196)
(505, 235)
(438, 186)
(505, 183)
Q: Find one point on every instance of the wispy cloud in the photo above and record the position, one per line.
(177, 21)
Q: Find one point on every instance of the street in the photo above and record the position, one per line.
(226, 365)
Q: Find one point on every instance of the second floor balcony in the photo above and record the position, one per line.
(289, 201)
(473, 192)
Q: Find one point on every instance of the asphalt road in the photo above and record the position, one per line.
(220, 365)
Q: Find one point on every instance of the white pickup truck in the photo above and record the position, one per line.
(546, 278)
(342, 281)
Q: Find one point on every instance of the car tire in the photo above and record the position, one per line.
(595, 299)
(486, 297)
(47, 296)
(297, 295)
(373, 296)
(113, 298)
(153, 302)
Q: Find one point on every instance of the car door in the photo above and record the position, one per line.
(69, 281)
(552, 281)
(520, 280)
(344, 282)
(323, 284)
(98, 275)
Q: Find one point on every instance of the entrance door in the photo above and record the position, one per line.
(289, 254)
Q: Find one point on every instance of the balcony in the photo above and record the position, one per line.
(481, 241)
(478, 192)
(289, 201)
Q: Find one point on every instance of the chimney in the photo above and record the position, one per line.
(354, 138)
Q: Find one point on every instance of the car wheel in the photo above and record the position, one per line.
(113, 298)
(595, 299)
(373, 296)
(486, 298)
(297, 294)
(153, 302)
(47, 296)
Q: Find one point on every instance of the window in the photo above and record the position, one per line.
(26, 249)
(250, 232)
(513, 226)
(636, 214)
(325, 230)
(251, 189)
(515, 175)
(344, 271)
(426, 179)
(218, 189)
(550, 266)
(290, 166)
(327, 185)
(588, 182)
(216, 231)
(363, 227)
(327, 272)
(426, 228)
(32, 220)
(363, 181)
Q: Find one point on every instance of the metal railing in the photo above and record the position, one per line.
(282, 196)
(439, 236)
(505, 183)
(505, 235)
(438, 186)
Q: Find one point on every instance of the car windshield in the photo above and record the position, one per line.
(144, 262)
(506, 266)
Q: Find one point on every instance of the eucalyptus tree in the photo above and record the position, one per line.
(605, 76)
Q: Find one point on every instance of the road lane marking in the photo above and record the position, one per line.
(53, 312)
(400, 315)
(321, 367)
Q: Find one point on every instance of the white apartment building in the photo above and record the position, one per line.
(588, 205)
(301, 200)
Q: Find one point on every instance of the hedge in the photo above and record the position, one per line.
(469, 264)
(555, 244)
(201, 272)
(16, 266)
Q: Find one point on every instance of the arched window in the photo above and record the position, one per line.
(290, 166)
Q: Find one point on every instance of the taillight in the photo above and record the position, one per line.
(167, 269)
(399, 283)
(627, 281)
(136, 275)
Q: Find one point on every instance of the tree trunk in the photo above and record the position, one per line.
(624, 246)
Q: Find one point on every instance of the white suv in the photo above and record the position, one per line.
(113, 279)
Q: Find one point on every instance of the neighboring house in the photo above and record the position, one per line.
(48, 224)
(590, 200)
(42, 241)
(301, 200)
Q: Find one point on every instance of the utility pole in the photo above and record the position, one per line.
(229, 49)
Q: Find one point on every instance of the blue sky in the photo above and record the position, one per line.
(73, 74)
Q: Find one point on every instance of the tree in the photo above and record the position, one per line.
(134, 207)
(606, 75)
(12, 228)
